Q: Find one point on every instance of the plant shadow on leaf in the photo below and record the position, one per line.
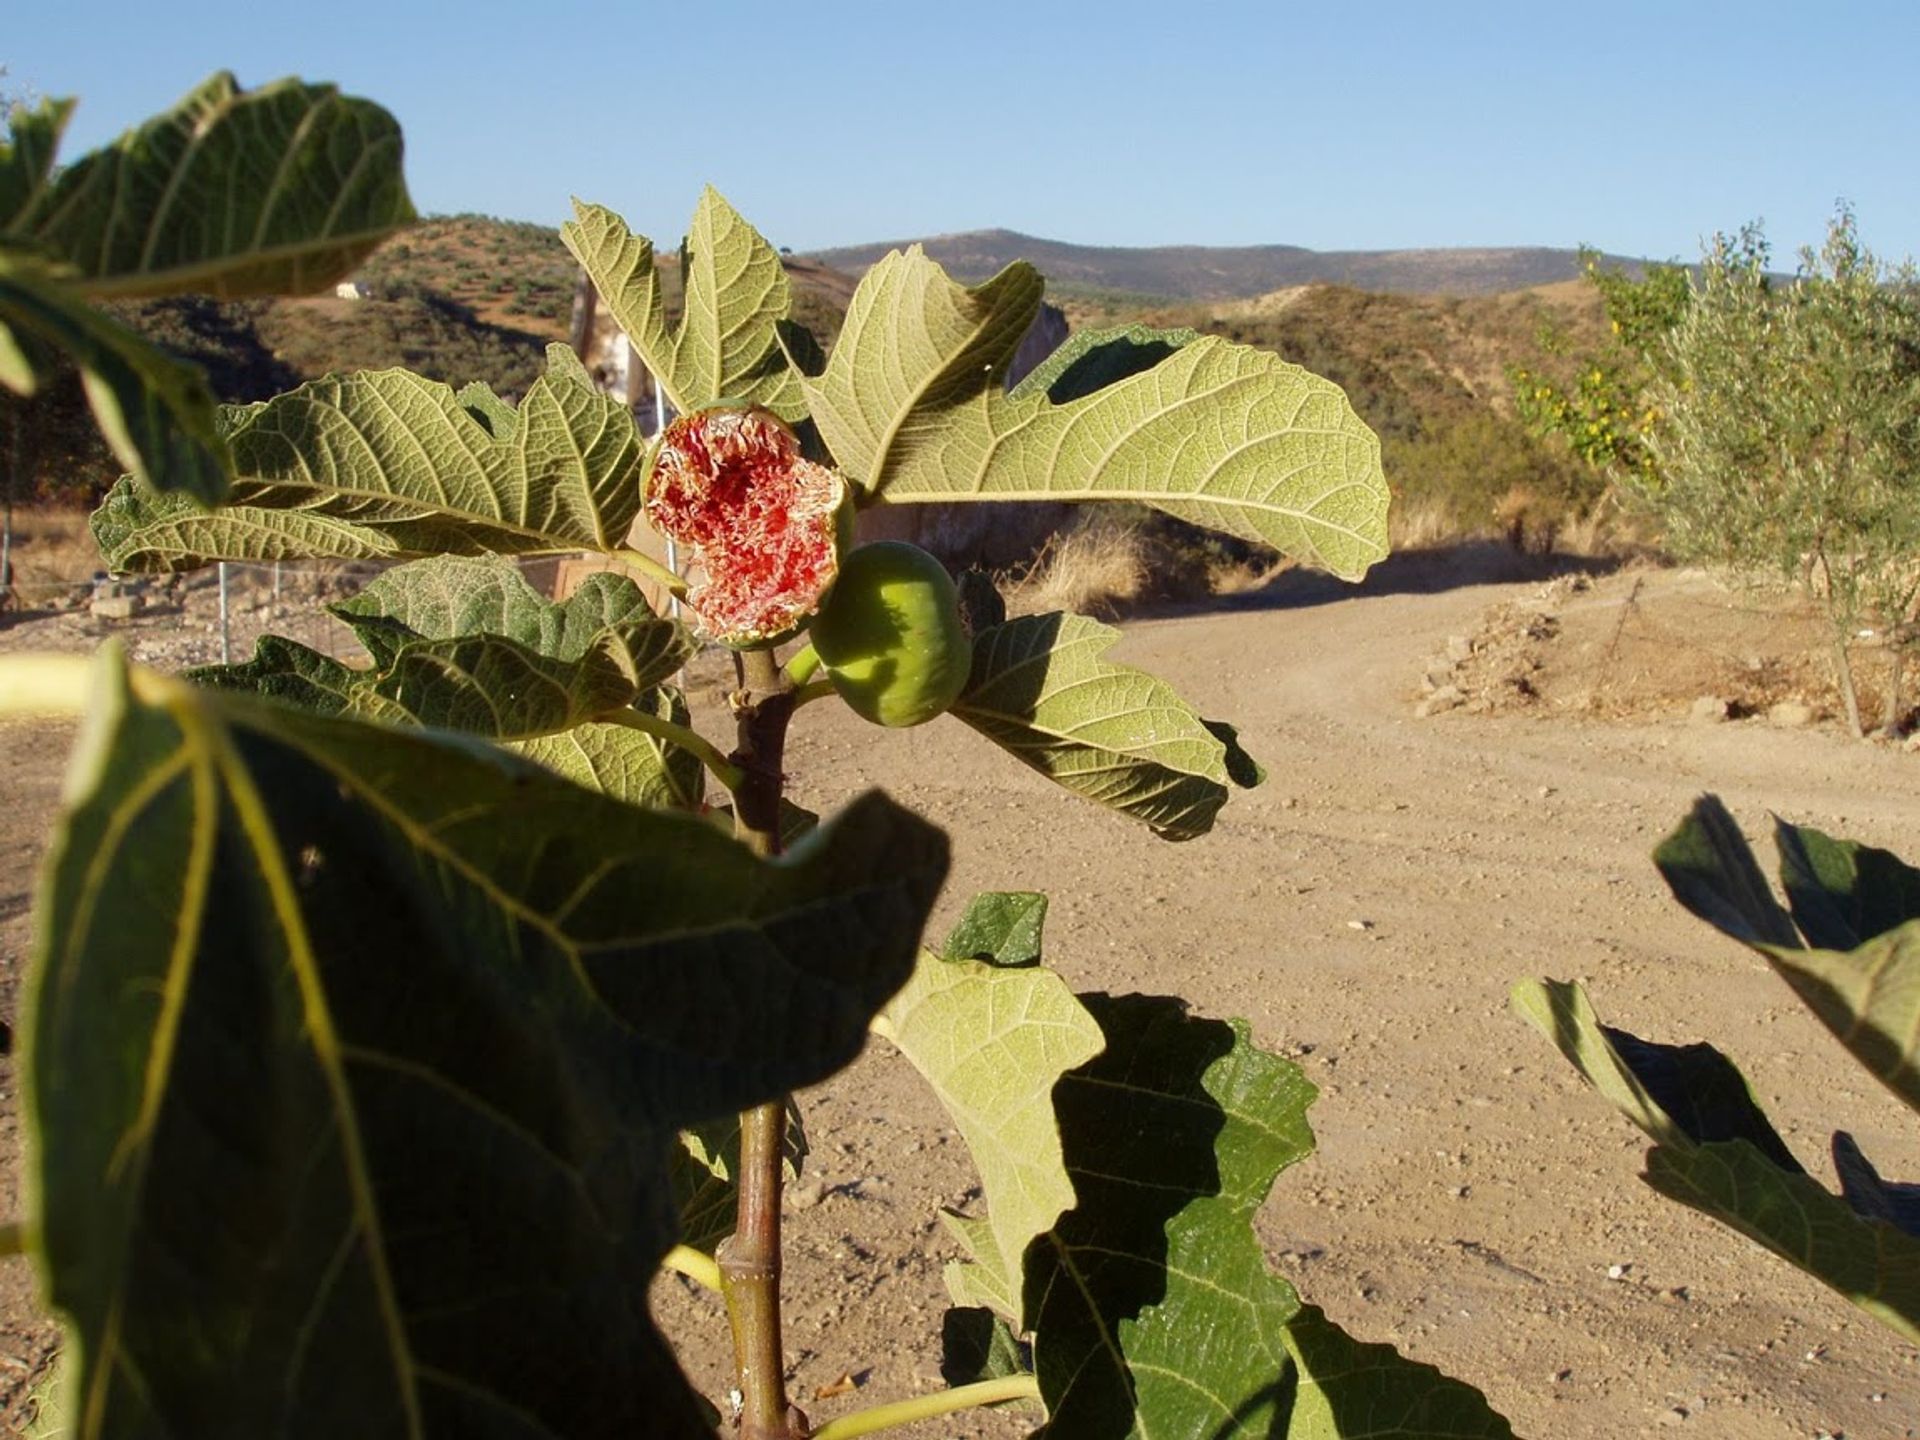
(1105, 358)
(1109, 1253)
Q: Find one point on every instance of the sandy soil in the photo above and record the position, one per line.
(1367, 911)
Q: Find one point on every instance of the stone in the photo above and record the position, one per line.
(1710, 710)
(115, 607)
(1459, 648)
(1790, 715)
(1447, 697)
(806, 1195)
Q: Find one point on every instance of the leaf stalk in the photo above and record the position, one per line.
(696, 1265)
(653, 570)
(724, 770)
(802, 665)
(929, 1407)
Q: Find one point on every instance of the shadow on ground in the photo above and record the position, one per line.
(1406, 572)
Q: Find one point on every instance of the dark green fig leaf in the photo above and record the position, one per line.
(1842, 894)
(1153, 1308)
(355, 1057)
(1872, 1262)
(1710, 868)
(1867, 994)
(276, 191)
(155, 412)
(999, 927)
(1716, 1151)
(976, 1344)
(468, 645)
(26, 157)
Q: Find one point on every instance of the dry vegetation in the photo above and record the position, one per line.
(466, 297)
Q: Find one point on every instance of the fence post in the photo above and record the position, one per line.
(226, 640)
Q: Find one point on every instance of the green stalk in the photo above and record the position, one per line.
(683, 1260)
(802, 664)
(749, 1259)
(929, 1407)
(653, 570)
(811, 691)
(722, 769)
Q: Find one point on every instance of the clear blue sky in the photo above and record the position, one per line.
(1636, 127)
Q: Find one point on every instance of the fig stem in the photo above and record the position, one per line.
(750, 1258)
(928, 1407)
(802, 665)
(653, 570)
(724, 770)
(811, 691)
(696, 1265)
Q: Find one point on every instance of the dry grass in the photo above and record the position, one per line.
(1421, 522)
(1108, 564)
(1091, 569)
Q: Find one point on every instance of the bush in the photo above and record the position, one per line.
(1789, 439)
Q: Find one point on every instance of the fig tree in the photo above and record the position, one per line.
(765, 526)
(891, 637)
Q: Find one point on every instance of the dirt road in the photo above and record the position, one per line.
(1366, 911)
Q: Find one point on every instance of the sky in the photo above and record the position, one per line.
(1638, 128)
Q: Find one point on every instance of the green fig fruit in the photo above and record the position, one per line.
(891, 637)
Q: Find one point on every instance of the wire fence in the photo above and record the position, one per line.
(209, 616)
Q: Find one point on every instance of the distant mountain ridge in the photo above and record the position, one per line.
(1208, 272)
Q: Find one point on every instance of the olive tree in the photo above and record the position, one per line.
(1788, 442)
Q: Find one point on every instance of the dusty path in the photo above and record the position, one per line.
(1469, 1197)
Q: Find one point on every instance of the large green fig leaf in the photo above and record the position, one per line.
(279, 190)
(993, 1041)
(727, 344)
(156, 412)
(1041, 690)
(1228, 437)
(466, 644)
(1153, 1309)
(1867, 994)
(1716, 1152)
(354, 1058)
(914, 346)
(385, 465)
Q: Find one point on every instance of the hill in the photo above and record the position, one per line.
(1429, 374)
(465, 298)
(1196, 272)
